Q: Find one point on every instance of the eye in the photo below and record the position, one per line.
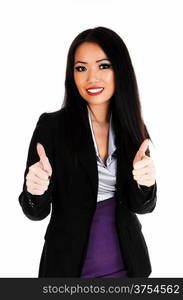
(106, 66)
(79, 68)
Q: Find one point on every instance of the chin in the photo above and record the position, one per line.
(97, 102)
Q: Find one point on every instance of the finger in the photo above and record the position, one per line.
(31, 177)
(39, 172)
(143, 177)
(34, 186)
(144, 170)
(146, 182)
(35, 191)
(147, 161)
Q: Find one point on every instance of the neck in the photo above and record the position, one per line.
(99, 113)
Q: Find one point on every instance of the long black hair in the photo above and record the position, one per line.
(125, 103)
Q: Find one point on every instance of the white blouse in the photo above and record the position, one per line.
(106, 173)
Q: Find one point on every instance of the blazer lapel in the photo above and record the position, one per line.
(87, 156)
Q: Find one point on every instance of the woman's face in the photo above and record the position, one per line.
(93, 71)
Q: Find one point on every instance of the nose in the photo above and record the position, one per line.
(92, 76)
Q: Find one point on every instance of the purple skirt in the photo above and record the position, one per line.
(103, 257)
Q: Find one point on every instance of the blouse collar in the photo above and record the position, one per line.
(111, 144)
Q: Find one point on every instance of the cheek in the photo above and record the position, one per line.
(78, 81)
(110, 81)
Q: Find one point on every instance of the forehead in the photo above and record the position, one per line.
(89, 51)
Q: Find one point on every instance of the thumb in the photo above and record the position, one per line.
(43, 158)
(143, 148)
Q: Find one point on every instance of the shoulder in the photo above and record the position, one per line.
(52, 119)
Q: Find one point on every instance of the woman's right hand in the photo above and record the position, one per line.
(38, 177)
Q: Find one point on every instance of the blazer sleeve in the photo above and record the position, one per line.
(141, 199)
(37, 207)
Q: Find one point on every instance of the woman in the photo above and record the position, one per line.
(90, 162)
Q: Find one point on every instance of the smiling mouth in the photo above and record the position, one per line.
(94, 92)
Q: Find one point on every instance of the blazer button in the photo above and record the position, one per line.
(31, 203)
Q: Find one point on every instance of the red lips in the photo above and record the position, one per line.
(97, 93)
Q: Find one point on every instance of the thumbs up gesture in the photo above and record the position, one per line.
(38, 177)
(143, 166)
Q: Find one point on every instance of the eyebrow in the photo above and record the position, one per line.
(83, 62)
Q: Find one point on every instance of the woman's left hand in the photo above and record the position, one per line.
(143, 166)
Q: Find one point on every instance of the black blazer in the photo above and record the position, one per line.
(72, 195)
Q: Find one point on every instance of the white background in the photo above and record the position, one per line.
(35, 37)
